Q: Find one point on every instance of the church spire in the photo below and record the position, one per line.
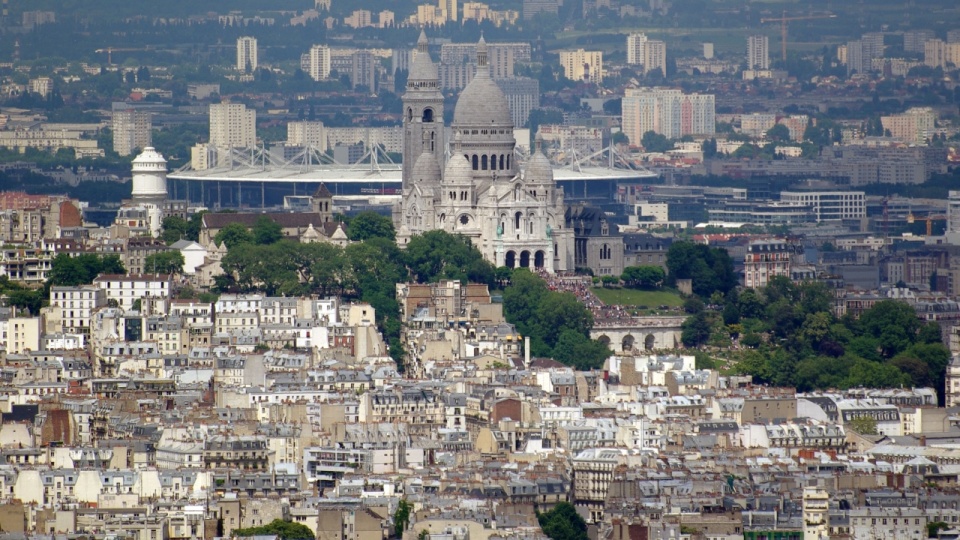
(482, 55)
(422, 42)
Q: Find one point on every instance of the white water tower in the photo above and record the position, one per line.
(149, 178)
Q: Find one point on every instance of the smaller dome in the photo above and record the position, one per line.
(458, 170)
(538, 168)
(426, 169)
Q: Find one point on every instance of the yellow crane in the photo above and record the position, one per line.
(783, 26)
(929, 219)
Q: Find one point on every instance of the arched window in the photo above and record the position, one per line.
(516, 221)
(605, 252)
(476, 163)
(483, 162)
(501, 161)
(409, 113)
(427, 115)
(493, 162)
(530, 224)
(508, 161)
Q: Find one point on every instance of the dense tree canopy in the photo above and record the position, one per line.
(808, 347)
(176, 228)
(557, 324)
(709, 269)
(164, 262)
(82, 269)
(643, 276)
(563, 523)
(367, 270)
(232, 235)
(286, 530)
(366, 225)
(438, 255)
(266, 231)
(654, 142)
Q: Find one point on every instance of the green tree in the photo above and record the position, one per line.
(232, 235)
(893, 323)
(864, 425)
(654, 142)
(696, 330)
(709, 269)
(440, 255)
(266, 231)
(610, 281)
(558, 312)
(693, 305)
(285, 530)
(778, 133)
(25, 299)
(731, 315)
(643, 276)
(370, 225)
(82, 269)
(401, 517)
(164, 262)
(563, 523)
(934, 528)
(174, 228)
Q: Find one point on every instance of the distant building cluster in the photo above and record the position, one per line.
(668, 112)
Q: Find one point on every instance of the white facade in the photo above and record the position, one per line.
(758, 52)
(193, 253)
(21, 334)
(307, 134)
(667, 111)
(830, 205)
(953, 211)
(75, 306)
(126, 290)
(655, 56)
(232, 125)
(319, 62)
(514, 218)
(247, 60)
(757, 124)
(581, 65)
(132, 130)
(635, 43)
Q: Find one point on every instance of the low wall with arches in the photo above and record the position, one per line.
(639, 334)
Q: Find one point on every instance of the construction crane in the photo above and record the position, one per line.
(109, 51)
(783, 26)
(929, 219)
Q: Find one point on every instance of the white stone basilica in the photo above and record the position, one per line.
(474, 186)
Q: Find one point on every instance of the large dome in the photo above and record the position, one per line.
(482, 102)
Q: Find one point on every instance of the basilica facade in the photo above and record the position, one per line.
(472, 185)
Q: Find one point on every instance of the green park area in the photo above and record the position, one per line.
(638, 297)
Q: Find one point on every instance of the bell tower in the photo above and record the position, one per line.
(422, 112)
